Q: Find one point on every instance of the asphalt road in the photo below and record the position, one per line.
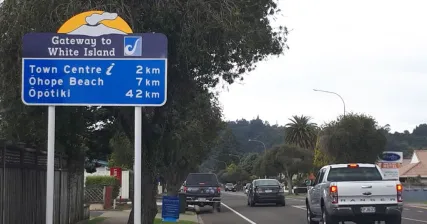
(236, 211)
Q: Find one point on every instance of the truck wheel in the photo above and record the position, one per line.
(218, 207)
(394, 220)
(310, 216)
(326, 218)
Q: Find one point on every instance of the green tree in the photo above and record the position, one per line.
(267, 164)
(227, 148)
(420, 130)
(187, 145)
(248, 162)
(320, 158)
(301, 132)
(206, 43)
(293, 160)
(234, 174)
(122, 151)
(353, 138)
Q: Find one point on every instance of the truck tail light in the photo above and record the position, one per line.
(185, 189)
(399, 189)
(333, 192)
(218, 189)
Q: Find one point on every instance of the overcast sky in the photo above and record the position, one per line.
(372, 52)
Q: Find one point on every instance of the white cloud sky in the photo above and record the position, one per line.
(373, 53)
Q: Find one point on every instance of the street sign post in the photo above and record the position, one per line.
(97, 63)
(117, 173)
(390, 162)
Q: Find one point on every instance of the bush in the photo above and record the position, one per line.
(100, 181)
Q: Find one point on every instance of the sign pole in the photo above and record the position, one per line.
(87, 63)
(50, 164)
(137, 171)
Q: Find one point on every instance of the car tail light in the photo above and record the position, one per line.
(185, 189)
(399, 189)
(333, 192)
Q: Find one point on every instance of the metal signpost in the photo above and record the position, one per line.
(94, 64)
(390, 162)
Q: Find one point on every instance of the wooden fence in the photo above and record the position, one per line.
(23, 187)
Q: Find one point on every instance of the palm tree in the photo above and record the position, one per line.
(301, 132)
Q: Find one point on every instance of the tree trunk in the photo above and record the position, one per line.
(149, 205)
(173, 189)
(289, 180)
(149, 194)
(173, 182)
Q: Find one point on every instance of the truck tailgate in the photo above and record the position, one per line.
(364, 193)
(202, 191)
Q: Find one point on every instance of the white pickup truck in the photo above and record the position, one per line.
(353, 192)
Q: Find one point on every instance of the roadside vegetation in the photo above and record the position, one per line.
(298, 149)
(96, 220)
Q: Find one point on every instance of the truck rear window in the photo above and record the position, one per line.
(201, 179)
(354, 174)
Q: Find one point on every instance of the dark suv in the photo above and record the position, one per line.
(203, 189)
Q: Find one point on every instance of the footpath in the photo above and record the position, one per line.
(121, 217)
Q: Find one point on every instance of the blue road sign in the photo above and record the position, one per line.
(170, 209)
(109, 70)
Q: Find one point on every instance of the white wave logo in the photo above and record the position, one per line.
(130, 50)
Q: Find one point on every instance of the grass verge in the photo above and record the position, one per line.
(159, 221)
(96, 220)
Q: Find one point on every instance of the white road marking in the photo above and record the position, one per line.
(302, 207)
(414, 206)
(415, 220)
(295, 199)
(237, 213)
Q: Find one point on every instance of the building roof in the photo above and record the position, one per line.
(406, 162)
(417, 165)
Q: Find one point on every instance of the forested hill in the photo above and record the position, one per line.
(256, 129)
(243, 130)
(407, 141)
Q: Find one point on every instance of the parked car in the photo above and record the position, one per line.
(230, 187)
(266, 191)
(203, 189)
(353, 192)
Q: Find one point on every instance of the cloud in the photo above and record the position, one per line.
(96, 18)
(373, 53)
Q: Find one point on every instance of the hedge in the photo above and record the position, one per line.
(97, 181)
